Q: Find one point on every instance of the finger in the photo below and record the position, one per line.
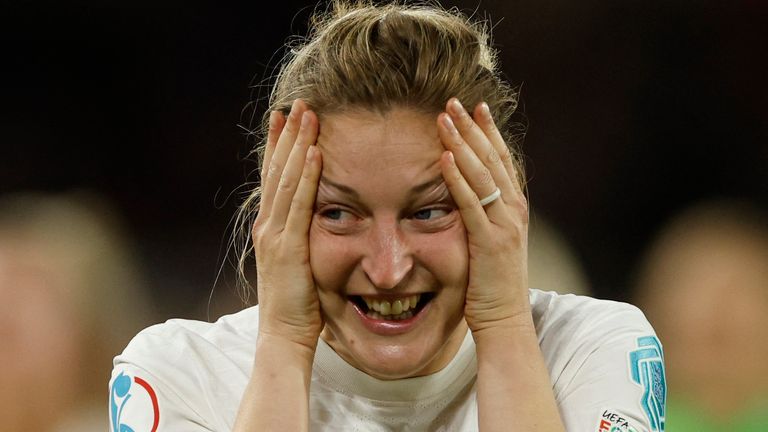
(472, 213)
(303, 204)
(480, 144)
(477, 175)
(285, 142)
(484, 119)
(294, 167)
(276, 124)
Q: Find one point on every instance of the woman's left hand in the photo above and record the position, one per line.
(477, 161)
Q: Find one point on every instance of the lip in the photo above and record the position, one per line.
(387, 327)
(390, 296)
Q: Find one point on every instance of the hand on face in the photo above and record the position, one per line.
(477, 161)
(288, 303)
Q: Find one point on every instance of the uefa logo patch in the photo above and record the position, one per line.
(136, 395)
(613, 421)
(647, 370)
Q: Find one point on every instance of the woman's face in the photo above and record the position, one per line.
(386, 231)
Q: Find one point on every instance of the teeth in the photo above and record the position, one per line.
(393, 309)
(397, 307)
(401, 316)
(386, 308)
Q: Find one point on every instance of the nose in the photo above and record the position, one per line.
(388, 259)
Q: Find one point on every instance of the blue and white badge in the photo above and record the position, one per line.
(134, 394)
(647, 370)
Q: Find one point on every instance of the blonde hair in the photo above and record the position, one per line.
(379, 57)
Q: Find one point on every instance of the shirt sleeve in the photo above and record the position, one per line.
(140, 402)
(619, 384)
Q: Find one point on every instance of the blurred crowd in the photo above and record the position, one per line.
(73, 293)
(71, 297)
(704, 286)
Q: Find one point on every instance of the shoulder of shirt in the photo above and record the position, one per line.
(198, 369)
(184, 340)
(569, 315)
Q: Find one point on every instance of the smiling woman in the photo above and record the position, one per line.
(390, 236)
(395, 240)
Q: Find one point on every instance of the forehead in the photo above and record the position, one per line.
(401, 142)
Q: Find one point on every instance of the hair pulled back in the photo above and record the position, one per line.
(377, 57)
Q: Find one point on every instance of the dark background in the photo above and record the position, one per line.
(636, 109)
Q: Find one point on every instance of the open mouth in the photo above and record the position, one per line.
(393, 309)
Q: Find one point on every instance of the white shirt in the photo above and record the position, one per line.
(604, 361)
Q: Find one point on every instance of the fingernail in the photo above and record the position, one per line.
(294, 108)
(272, 118)
(456, 107)
(448, 123)
(305, 119)
(486, 111)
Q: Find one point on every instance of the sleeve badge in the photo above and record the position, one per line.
(134, 395)
(646, 365)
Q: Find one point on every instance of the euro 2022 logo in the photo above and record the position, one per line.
(121, 392)
(647, 370)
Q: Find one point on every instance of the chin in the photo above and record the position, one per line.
(396, 357)
(391, 362)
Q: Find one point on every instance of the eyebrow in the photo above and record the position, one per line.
(353, 193)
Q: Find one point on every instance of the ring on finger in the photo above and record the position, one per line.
(491, 198)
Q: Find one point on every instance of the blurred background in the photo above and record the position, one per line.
(121, 142)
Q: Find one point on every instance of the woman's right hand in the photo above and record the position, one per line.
(289, 308)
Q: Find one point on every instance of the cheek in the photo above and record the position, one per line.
(446, 255)
(330, 258)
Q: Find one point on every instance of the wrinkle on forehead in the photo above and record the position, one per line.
(398, 138)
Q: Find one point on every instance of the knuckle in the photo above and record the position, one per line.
(525, 218)
(292, 125)
(458, 141)
(260, 238)
(285, 184)
(464, 118)
(490, 125)
(274, 170)
(306, 175)
(507, 155)
(513, 236)
(466, 123)
(472, 203)
(493, 157)
(257, 229)
(485, 177)
(523, 212)
(299, 205)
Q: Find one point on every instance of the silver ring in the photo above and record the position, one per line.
(491, 198)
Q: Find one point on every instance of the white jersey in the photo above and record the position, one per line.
(604, 360)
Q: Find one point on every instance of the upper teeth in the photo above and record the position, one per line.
(395, 307)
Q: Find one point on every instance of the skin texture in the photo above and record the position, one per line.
(315, 246)
(381, 235)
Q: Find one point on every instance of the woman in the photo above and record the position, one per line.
(390, 238)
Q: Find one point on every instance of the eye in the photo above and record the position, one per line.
(338, 220)
(430, 214)
(336, 215)
(333, 214)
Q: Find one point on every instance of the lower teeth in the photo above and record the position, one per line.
(377, 316)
